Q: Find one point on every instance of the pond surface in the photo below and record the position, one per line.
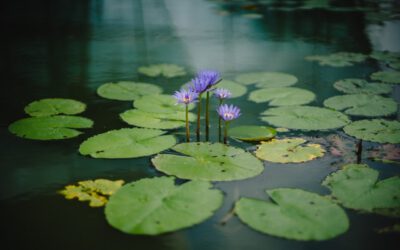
(68, 49)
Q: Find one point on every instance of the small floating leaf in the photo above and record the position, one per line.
(360, 86)
(127, 91)
(160, 104)
(377, 130)
(252, 133)
(155, 206)
(304, 117)
(127, 143)
(387, 76)
(385, 56)
(294, 214)
(362, 104)
(209, 161)
(166, 70)
(285, 96)
(235, 88)
(356, 186)
(339, 59)
(288, 150)
(54, 106)
(267, 79)
(49, 127)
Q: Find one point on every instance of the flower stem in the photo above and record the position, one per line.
(207, 117)
(187, 124)
(219, 123)
(226, 132)
(198, 119)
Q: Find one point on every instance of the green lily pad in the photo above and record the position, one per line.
(385, 56)
(127, 143)
(339, 59)
(356, 186)
(54, 106)
(96, 192)
(127, 91)
(395, 65)
(294, 214)
(235, 88)
(160, 104)
(252, 133)
(140, 118)
(267, 79)
(362, 105)
(49, 127)
(155, 206)
(387, 76)
(376, 130)
(288, 150)
(305, 118)
(166, 70)
(360, 86)
(209, 161)
(285, 96)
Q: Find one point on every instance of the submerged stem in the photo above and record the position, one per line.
(219, 123)
(226, 132)
(359, 151)
(207, 116)
(187, 124)
(198, 119)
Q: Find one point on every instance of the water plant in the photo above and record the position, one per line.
(228, 113)
(221, 94)
(186, 97)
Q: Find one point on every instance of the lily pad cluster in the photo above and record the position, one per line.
(165, 70)
(338, 59)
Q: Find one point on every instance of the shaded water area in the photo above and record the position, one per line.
(69, 48)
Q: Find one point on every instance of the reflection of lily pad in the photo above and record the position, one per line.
(166, 70)
(362, 104)
(385, 56)
(377, 130)
(95, 192)
(387, 76)
(288, 150)
(50, 127)
(144, 119)
(252, 133)
(235, 88)
(339, 59)
(360, 86)
(54, 106)
(304, 117)
(294, 214)
(208, 161)
(127, 91)
(356, 186)
(155, 206)
(282, 96)
(160, 104)
(267, 79)
(127, 143)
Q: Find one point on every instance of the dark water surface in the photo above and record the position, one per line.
(67, 49)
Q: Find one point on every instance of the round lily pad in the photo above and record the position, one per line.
(376, 130)
(386, 56)
(305, 118)
(267, 79)
(160, 104)
(209, 161)
(360, 86)
(362, 104)
(49, 127)
(127, 91)
(54, 106)
(127, 143)
(288, 150)
(387, 76)
(252, 133)
(294, 214)
(339, 59)
(166, 70)
(285, 96)
(235, 88)
(140, 118)
(356, 186)
(155, 206)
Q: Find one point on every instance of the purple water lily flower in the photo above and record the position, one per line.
(228, 113)
(222, 93)
(185, 96)
(204, 80)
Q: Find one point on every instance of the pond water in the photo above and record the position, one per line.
(69, 48)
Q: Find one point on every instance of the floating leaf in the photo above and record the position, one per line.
(305, 117)
(54, 106)
(288, 150)
(395, 65)
(377, 130)
(49, 127)
(285, 96)
(356, 186)
(160, 104)
(252, 133)
(360, 86)
(166, 70)
(362, 104)
(95, 192)
(339, 59)
(209, 161)
(140, 118)
(127, 91)
(386, 76)
(390, 229)
(127, 143)
(294, 214)
(235, 88)
(155, 206)
(385, 56)
(267, 79)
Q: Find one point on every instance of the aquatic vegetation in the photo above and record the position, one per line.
(252, 133)
(162, 104)
(127, 91)
(165, 70)
(153, 206)
(387, 76)
(267, 79)
(376, 130)
(228, 113)
(285, 96)
(54, 106)
(186, 97)
(360, 86)
(338, 59)
(385, 56)
(236, 89)
(221, 94)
